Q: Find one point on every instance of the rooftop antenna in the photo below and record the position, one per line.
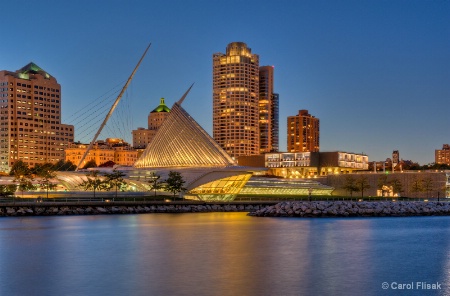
(116, 102)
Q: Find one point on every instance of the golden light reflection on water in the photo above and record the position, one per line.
(218, 254)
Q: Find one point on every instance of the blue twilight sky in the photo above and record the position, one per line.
(376, 73)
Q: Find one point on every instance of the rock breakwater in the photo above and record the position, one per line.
(129, 209)
(353, 209)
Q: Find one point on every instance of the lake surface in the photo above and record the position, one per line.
(223, 254)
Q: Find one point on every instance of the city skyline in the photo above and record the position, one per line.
(375, 73)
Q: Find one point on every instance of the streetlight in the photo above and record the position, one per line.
(21, 183)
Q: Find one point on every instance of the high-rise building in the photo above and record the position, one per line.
(303, 132)
(442, 156)
(268, 111)
(30, 118)
(236, 100)
(142, 136)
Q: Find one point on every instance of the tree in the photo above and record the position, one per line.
(6, 190)
(62, 165)
(90, 164)
(20, 168)
(115, 180)
(397, 187)
(350, 185)
(155, 183)
(38, 168)
(174, 183)
(93, 182)
(22, 175)
(45, 173)
(416, 185)
(362, 183)
(427, 185)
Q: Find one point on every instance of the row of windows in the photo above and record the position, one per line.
(38, 99)
(46, 94)
(37, 125)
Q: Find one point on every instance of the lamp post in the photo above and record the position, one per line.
(21, 183)
(310, 190)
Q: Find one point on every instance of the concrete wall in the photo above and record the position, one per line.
(406, 179)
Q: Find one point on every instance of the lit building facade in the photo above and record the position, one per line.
(303, 132)
(442, 156)
(236, 100)
(309, 164)
(182, 145)
(30, 118)
(268, 111)
(142, 136)
(210, 174)
(275, 122)
(112, 149)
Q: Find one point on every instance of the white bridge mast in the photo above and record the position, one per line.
(111, 110)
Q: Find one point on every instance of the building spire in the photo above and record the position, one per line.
(185, 94)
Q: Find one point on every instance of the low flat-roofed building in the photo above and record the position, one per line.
(309, 164)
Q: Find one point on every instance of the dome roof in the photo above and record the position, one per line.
(162, 107)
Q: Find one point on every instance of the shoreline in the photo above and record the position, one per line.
(40, 209)
(354, 209)
(306, 209)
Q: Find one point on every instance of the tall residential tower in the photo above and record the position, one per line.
(235, 100)
(30, 118)
(245, 108)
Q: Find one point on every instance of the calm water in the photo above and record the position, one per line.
(222, 254)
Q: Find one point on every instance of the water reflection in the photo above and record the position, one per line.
(219, 254)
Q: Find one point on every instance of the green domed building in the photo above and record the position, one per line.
(143, 136)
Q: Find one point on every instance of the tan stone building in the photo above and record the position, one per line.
(236, 100)
(442, 156)
(30, 118)
(112, 149)
(303, 132)
(142, 136)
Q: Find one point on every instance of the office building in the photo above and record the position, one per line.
(309, 164)
(142, 136)
(268, 111)
(303, 132)
(442, 156)
(30, 118)
(236, 100)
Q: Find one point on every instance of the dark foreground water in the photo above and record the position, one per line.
(223, 254)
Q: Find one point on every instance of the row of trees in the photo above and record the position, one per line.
(361, 183)
(108, 181)
(25, 177)
(174, 183)
(432, 166)
(422, 185)
(353, 184)
(96, 181)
